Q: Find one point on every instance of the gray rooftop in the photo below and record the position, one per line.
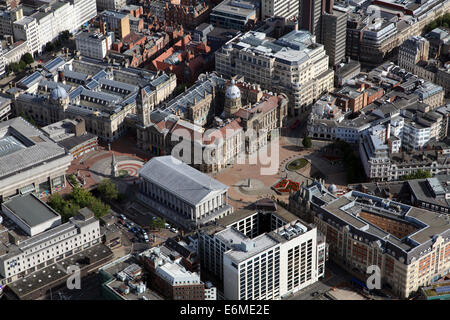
(35, 147)
(180, 179)
(30, 209)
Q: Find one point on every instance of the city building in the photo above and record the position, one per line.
(216, 118)
(431, 194)
(189, 13)
(14, 52)
(93, 45)
(30, 161)
(278, 8)
(187, 59)
(439, 40)
(45, 22)
(7, 18)
(263, 252)
(294, 65)
(414, 55)
(22, 253)
(235, 14)
(410, 245)
(437, 291)
(116, 22)
(72, 135)
(91, 89)
(5, 109)
(310, 15)
(200, 199)
(374, 35)
(334, 34)
(110, 5)
(171, 279)
(126, 279)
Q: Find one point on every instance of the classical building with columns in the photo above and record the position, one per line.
(103, 95)
(223, 119)
(182, 194)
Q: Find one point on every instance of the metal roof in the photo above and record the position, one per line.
(180, 179)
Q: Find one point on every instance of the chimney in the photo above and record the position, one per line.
(61, 76)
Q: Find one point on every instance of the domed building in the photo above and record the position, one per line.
(232, 99)
(59, 97)
(332, 188)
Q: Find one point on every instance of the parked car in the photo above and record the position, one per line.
(128, 225)
(122, 217)
(120, 221)
(134, 229)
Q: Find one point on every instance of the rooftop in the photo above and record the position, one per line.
(29, 209)
(24, 146)
(181, 179)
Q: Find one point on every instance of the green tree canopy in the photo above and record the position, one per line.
(158, 223)
(307, 143)
(108, 190)
(419, 174)
(28, 58)
(49, 47)
(65, 35)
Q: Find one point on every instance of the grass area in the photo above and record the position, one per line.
(297, 164)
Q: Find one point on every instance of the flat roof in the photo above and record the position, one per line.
(39, 148)
(30, 209)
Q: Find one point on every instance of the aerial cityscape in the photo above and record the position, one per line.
(224, 150)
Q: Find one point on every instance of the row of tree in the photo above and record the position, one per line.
(419, 174)
(16, 67)
(59, 42)
(443, 21)
(77, 199)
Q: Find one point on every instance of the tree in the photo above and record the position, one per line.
(108, 190)
(56, 201)
(98, 207)
(158, 223)
(14, 67)
(307, 143)
(81, 197)
(419, 174)
(28, 58)
(65, 35)
(49, 47)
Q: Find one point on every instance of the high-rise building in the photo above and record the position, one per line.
(264, 252)
(279, 8)
(333, 37)
(310, 13)
(294, 64)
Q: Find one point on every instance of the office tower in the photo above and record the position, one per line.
(310, 13)
(334, 27)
